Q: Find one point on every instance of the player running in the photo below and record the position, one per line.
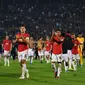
(7, 46)
(23, 40)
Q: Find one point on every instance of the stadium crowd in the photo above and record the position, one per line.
(42, 19)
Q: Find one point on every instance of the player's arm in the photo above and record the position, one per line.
(33, 44)
(58, 41)
(18, 38)
(26, 40)
(10, 47)
(44, 45)
(51, 47)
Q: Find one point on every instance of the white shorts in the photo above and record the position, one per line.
(56, 58)
(75, 57)
(22, 55)
(30, 52)
(47, 53)
(41, 53)
(6, 53)
(69, 54)
(65, 57)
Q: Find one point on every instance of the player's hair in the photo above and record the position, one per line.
(23, 26)
(72, 33)
(6, 35)
(57, 30)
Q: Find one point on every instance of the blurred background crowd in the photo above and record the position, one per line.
(41, 17)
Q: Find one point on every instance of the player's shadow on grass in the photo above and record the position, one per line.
(11, 75)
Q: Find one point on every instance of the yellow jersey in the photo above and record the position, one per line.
(39, 44)
(81, 40)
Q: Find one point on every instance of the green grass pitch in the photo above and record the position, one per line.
(40, 74)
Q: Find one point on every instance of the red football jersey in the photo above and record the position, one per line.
(48, 45)
(57, 45)
(22, 46)
(7, 45)
(75, 47)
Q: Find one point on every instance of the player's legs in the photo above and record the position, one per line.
(70, 59)
(53, 63)
(77, 59)
(66, 66)
(47, 56)
(28, 54)
(81, 58)
(6, 58)
(74, 62)
(59, 59)
(41, 59)
(24, 70)
(65, 58)
(31, 54)
(31, 59)
(40, 53)
(48, 59)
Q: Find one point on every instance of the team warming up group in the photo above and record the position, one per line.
(59, 48)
